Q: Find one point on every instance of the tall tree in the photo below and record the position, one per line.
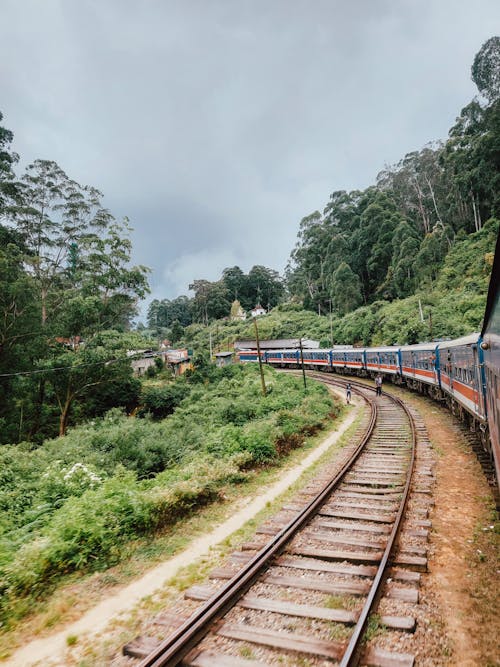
(346, 289)
(485, 69)
(75, 247)
(76, 371)
(8, 186)
(211, 300)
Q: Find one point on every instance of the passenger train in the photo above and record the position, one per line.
(464, 373)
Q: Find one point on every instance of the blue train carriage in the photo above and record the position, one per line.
(285, 358)
(491, 349)
(385, 360)
(461, 371)
(355, 360)
(316, 359)
(420, 367)
(338, 358)
(273, 357)
(290, 358)
(245, 356)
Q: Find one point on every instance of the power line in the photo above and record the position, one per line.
(80, 365)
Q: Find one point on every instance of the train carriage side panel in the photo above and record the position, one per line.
(491, 347)
(420, 363)
(338, 358)
(245, 356)
(461, 374)
(383, 360)
(316, 358)
(355, 359)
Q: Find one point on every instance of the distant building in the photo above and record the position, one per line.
(237, 312)
(223, 359)
(141, 360)
(258, 311)
(74, 342)
(177, 360)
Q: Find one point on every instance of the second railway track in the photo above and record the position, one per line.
(308, 586)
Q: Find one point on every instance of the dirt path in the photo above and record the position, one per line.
(462, 569)
(50, 650)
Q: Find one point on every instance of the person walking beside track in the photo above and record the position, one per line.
(378, 384)
(348, 393)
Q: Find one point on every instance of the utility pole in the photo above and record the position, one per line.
(331, 323)
(264, 391)
(302, 364)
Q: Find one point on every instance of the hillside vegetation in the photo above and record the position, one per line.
(453, 307)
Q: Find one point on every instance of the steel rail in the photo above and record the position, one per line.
(352, 654)
(173, 649)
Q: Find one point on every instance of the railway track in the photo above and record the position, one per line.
(307, 588)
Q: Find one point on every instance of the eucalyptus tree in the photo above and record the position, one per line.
(345, 289)
(76, 249)
(211, 300)
(236, 283)
(264, 286)
(8, 186)
(485, 70)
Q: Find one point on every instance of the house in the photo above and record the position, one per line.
(179, 361)
(223, 359)
(141, 360)
(258, 311)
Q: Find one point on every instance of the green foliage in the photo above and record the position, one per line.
(161, 400)
(452, 305)
(485, 69)
(74, 502)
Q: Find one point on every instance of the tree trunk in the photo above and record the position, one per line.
(477, 216)
(63, 419)
(421, 207)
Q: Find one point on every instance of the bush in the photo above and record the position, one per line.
(161, 401)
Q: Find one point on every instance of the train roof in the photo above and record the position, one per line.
(432, 345)
(471, 339)
(278, 344)
(387, 348)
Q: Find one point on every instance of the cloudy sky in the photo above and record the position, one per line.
(216, 125)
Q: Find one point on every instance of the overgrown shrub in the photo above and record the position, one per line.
(160, 401)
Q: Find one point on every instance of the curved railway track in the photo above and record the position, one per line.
(326, 564)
